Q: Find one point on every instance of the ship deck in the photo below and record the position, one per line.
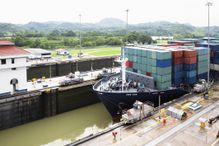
(104, 86)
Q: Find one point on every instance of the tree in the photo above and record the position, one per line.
(36, 44)
(20, 41)
(70, 34)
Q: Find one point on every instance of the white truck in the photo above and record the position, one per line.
(200, 87)
(138, 112)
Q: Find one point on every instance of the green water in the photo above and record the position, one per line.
(58, 130)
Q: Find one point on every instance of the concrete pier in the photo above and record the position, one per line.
(153, 131)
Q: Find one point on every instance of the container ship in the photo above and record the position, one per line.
(153, 74)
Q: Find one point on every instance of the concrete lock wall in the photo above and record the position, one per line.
(15, 111)
(64, 68)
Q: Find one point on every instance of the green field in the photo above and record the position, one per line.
(97, 51)
(162, 42)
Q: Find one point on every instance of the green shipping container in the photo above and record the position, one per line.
(149, 69)
(144, 60)
(203, 64)
(163, 86)
(144, 53)
(149, 54)
(154, 70)
(164, 70)
(202, 70)
(154, 54)
(163, 55)
(163, 78)
(202, 58)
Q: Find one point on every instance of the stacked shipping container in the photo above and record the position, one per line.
(177, 67)
(189, 67)
(170, 66)
(202, 62)
(214, 57)
(150, 62)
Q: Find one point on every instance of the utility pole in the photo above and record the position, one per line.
(80, 31)
(159, 103)
(208, 5)
(127, 24)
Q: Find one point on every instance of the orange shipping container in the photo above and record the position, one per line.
(189, 53)
(191, 60)
(177, 53)
(177, 60)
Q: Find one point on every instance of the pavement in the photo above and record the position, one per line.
(151, 132)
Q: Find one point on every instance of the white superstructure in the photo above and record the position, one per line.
(13, 68)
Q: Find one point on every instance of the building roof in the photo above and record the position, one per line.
(6, 43)
(38, 51)
(7, 48)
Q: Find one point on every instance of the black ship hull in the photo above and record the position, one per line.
(115, 102)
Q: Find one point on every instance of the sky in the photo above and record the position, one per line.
(193, 12)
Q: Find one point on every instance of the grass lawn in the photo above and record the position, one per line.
(97, 51)
(162, 41)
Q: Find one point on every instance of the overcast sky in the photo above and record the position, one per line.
(182, 11)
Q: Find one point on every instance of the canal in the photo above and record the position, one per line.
(58, 130)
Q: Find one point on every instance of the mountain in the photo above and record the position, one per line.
(165, 28)
(111, 22)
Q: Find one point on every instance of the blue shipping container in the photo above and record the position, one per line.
(164, 63)
(177, 82)
(203, 76)
(177, 67)
(177, 75)
(190, 80)
(189, 67)
(190, 74)
(214, 60)
(212, 46)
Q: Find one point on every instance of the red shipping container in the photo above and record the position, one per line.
(129, 64)
(177, 53)
(178, 60)
(189, 53)
(191, 60)
(148, 74)
(168, 45)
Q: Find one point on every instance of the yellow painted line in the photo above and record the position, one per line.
(215, 142)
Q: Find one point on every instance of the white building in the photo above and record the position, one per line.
(13, 68)
(38, 53)
(162, 38)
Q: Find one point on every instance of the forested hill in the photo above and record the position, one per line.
(110, 25)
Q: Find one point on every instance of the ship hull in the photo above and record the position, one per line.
(115, 102)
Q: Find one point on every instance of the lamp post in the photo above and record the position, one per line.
(208, 5)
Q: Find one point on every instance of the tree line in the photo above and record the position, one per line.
(70, 39)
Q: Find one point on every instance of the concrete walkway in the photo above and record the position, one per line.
(179, 127)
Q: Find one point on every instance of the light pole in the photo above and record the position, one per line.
(127, 24)
(80, 32)
(208, 5)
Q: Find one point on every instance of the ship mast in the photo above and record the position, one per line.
(123, 69)
(123, 53)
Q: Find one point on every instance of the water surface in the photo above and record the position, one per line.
(58, 130)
